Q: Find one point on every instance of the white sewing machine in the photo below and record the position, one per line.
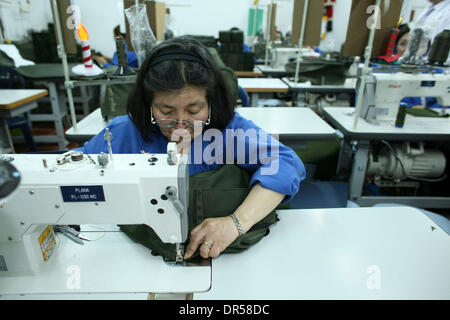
(281, 56)
(75, 188)
(384, 91)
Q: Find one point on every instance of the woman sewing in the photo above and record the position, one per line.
(180, 96)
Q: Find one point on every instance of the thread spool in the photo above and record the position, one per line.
(439, 49)
(123, 69)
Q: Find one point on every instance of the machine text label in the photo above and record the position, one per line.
(82, 193)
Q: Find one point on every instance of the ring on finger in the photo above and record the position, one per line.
(208, 244)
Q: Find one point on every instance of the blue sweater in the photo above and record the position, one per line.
(132, 59)
(250, 148)
(430, 102)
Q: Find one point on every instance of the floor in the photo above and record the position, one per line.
(42, 128)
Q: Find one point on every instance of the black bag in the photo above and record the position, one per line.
(212, 194)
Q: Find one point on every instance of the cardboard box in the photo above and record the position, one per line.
(70, 44)
(156, 13)
(271, 23)
(358, 31)
(313, 24)
(157, 17)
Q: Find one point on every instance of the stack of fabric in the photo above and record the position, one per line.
(231, 51)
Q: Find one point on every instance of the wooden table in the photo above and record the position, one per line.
(256, 73)
(12, 103)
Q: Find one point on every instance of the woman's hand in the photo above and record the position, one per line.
(213, 236)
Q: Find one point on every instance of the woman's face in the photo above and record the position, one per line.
(189, 105)
(402, 44)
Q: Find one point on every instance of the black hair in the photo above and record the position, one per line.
(173, 75)
(402, 29)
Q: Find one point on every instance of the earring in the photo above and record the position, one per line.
(208, 121)
(152, 120)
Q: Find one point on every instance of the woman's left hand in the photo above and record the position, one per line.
(213, 236)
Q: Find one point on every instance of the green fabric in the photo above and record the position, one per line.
(324, 154)
(228, 73)
(426, 112)
(5, 60)
(46, 70)
(215, 193)
(26, 49)
(114, 101)
(321, 71)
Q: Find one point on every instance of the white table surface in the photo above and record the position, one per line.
(10, 96)
(251, 84)
(288, 121)
(92, 124)
(346, 253)
(349, 85)
(110, 263)
(413, 126)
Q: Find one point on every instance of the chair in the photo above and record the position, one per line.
(243, 95)
(9, 79)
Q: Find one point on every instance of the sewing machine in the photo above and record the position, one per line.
(281, 56)
(76, 188)
(384, 91)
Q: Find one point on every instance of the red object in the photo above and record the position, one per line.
(391, 42)
(330, 12)
(86, 53)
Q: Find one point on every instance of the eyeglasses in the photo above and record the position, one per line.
(170, 123)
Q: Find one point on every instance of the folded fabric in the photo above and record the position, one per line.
(14, 54)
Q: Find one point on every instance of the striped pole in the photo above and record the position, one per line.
(86, 52)
(391, 42)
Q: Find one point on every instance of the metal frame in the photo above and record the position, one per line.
(360, 151)
(5, 135)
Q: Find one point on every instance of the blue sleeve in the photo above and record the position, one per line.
(276, 167)
(411, 101)
(431, 102)
(246, 48)
(132, 59)
(113, 61)
(126, 138)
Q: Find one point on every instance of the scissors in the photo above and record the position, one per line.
(72, 234)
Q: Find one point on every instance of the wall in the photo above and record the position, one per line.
(20, 16)
(205, 17)
(100, 17)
